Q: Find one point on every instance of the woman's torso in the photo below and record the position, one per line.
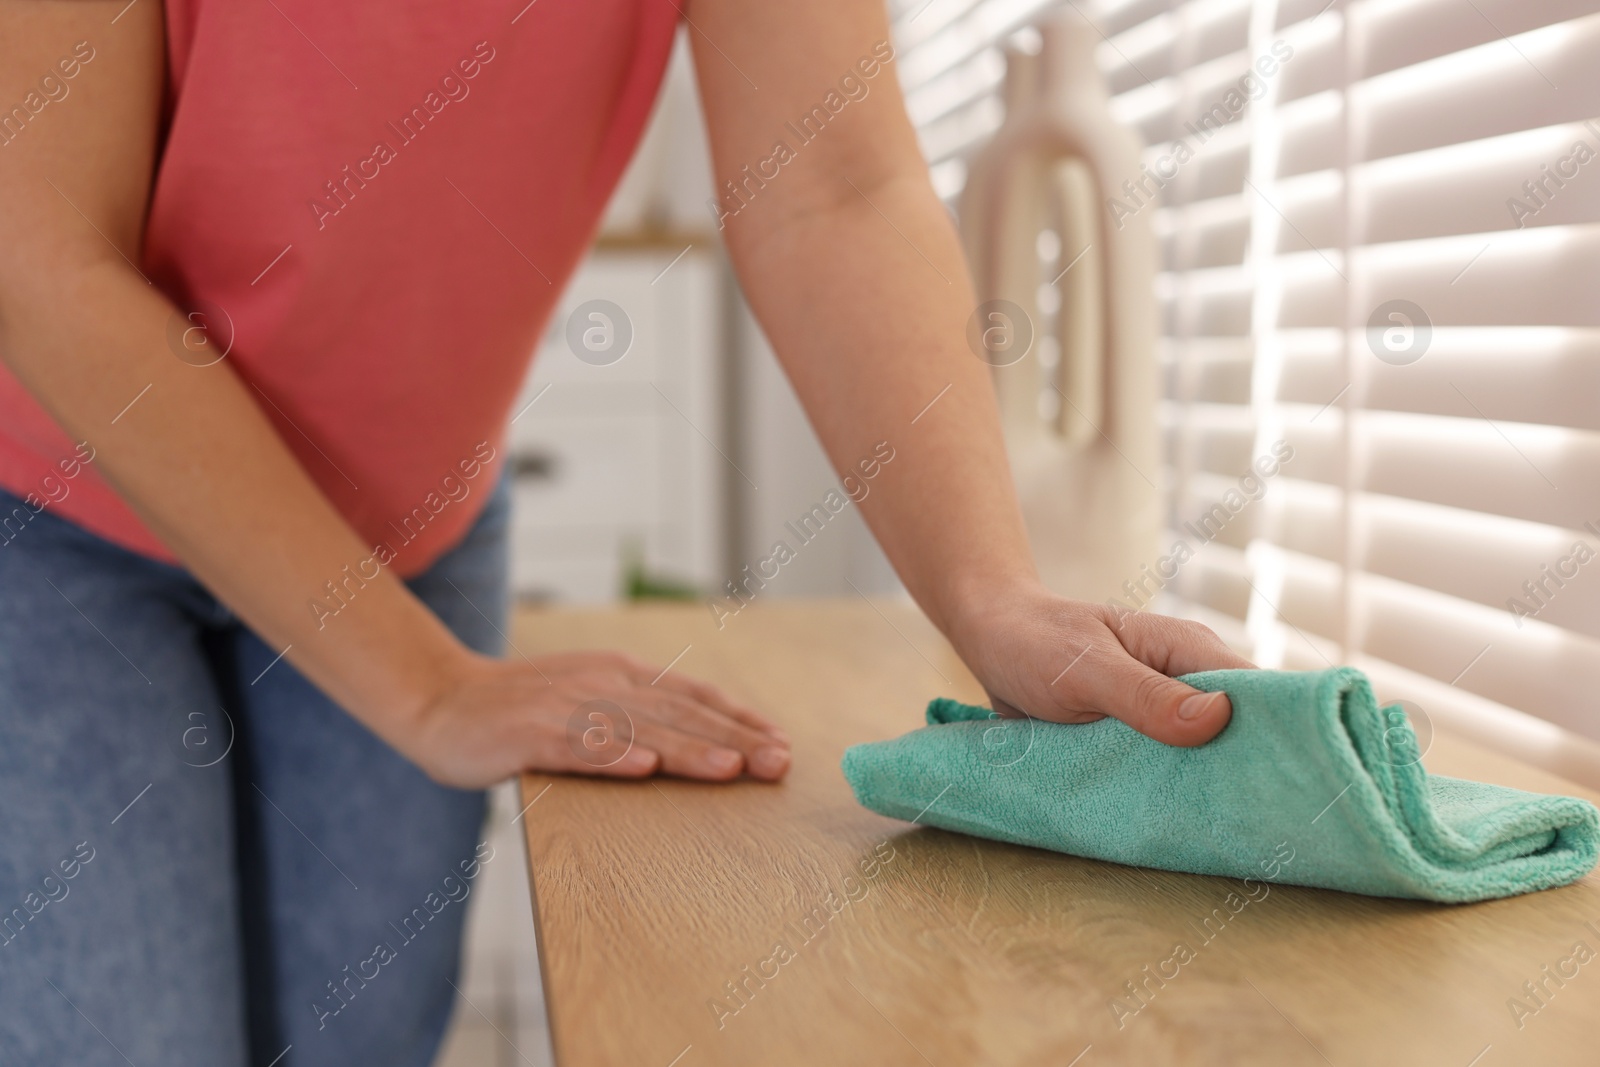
(375, 207)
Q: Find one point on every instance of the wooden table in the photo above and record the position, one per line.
(687, 925)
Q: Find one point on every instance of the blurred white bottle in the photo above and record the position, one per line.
(1076, 371)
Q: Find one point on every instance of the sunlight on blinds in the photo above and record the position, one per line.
(1380, 229)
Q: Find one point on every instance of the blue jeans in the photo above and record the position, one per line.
(204, 861)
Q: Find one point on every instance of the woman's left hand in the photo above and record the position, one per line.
(1072, 661)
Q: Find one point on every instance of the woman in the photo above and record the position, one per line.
(218, 796)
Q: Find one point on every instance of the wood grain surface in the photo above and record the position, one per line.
(684, 925)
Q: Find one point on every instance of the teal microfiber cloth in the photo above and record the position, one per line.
(1311, 783)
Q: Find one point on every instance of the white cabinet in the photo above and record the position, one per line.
(619, 452)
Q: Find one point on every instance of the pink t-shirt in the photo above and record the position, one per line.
(377, 205)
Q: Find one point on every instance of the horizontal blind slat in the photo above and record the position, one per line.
(1542, 474)
(1496, 88)
(1547, 376)
(1543, 670)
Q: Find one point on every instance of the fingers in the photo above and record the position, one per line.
(688, 738)
(669, 723)
(637, 762)
(698, 730)
(574, 750)
(1131, 681)
(633, 738)
(1155, 705)
(687, 755)
(706, 695)
(1174, 646)
(646, 674)
(715, 698)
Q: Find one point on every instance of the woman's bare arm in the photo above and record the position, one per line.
(857, 275)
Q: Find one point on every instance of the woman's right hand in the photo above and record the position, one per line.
(602, 713)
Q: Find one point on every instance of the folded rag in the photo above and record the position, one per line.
(1309, 761)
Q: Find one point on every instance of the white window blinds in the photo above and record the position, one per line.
(1383, 251)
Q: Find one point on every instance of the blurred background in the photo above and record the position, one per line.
(1375, 238)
